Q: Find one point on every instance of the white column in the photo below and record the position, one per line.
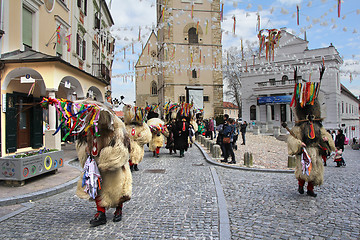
(258, 113)
(268, 113)
(52, 113)
(288, 113)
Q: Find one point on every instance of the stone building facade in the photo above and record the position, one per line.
(182, 61)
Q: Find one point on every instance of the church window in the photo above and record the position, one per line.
(154, 90)
(284, 79)
(194, 73)
(193, 36)
(206, 98)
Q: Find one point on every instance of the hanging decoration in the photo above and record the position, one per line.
(197, 27)
(32, 88)
(234, 25)
(242, 50)
(339, 8)
(222, 12)
(68, 42)
(75, 117)
(297, 15)
(206, 27)
(192, 11)
(258, 23)
(269, 42)
(58, 36)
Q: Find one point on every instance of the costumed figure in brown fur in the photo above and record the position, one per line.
(139, 133)
(103, 147)
(308, 139)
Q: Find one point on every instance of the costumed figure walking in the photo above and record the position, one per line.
(158, 130)
(181, 130)
(308, 139)
(103, 149)
(170, 117)
(139, 133)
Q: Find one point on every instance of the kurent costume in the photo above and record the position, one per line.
(181, 130)
(308, 140)
(103, 150)
(139, 133)
(158, 131)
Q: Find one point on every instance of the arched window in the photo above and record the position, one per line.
(284, 79)
(194, 73)
(193, 36)
(253, 113)
(154, 90)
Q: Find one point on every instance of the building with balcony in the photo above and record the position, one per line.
(268, 85)
(55, 48)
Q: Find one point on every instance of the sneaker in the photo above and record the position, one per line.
(311, 193)
(99, 219)
(117, 215)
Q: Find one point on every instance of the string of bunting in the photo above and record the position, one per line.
(75, 117)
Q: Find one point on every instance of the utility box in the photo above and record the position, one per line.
(19, 169)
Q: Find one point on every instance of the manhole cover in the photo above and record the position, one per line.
(155, 170)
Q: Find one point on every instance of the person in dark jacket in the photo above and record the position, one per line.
(228, 132)
(340, 139)
(243, 131)
(181, 135)
(170, 143)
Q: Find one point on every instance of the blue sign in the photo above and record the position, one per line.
(274, 100)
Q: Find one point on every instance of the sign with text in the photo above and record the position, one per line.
(274, 100)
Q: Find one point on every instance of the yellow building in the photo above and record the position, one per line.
(182, 62)
(55, 48)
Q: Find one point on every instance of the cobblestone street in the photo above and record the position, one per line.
(177, 198)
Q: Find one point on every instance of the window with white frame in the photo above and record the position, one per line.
(82, 4)
(80, 46)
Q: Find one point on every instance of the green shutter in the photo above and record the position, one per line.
(36, 125)
(27, 27)
(11, 124)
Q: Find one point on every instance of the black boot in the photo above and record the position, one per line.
(311, 193)
(233, 162)
(132, 167)
(117, 214)
(99, 219)
(224, 161)
(301, 189)
(136, 167)
(153, 153)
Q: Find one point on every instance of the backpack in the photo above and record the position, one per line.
(346, 141)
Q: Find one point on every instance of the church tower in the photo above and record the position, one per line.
(189, 55)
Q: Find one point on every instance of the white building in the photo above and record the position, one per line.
(267, 85)
(349, 113)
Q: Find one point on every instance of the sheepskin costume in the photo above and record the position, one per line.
(308, 130)
(157, 140)
(139, 133)
(112, 159)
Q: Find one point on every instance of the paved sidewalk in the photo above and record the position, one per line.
(43, 185)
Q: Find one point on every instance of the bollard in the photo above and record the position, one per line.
(248, 159)
(291, 161)
(276, 131)
(256, 130)
(216, 153)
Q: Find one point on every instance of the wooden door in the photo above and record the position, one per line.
(23, 123)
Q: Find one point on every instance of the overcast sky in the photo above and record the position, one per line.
(319, 18)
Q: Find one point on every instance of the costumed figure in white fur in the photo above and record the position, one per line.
(158, 130)
(139, 133)
(308, 139)
(110, 150)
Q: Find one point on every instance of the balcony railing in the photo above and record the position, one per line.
(101, 71)
(279, 82)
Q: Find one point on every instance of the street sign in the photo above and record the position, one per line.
(27, 79)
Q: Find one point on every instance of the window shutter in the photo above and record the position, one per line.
(79, 3)
(85, 7)
(27, 27)
(36, 125)
(11, 124)
(84, 50)
(77, 44)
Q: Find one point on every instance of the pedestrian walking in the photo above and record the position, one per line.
(181, 134)
(340, 140)
(228, 132)
(243, 131)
